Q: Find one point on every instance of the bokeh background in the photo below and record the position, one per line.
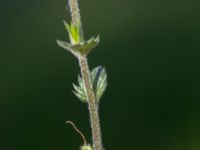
(151, 50)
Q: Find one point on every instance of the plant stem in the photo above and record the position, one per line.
(85, 72)
(92, 104)
(75, 12)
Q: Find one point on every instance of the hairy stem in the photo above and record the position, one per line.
(92, 104)
(75, 12)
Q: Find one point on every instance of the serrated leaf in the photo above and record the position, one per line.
(81, 97)
(99, 78)
(95, 76)
(79, 90)
(80, 81)
(99, 82)
(80, 93)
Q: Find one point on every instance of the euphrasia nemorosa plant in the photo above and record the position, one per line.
(91, 84)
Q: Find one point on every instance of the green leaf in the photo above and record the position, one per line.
(99, 83)
(80, 32)
(75, 33)
(86, 47)
(99, 79)
(80, 48)
(67, 46)
(67, 26)
(80, 93)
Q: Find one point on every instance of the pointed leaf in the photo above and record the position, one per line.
(99, 80)
(67, 26)
(80, 97)
(78, 90)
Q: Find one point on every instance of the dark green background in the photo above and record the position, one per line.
(151, 50)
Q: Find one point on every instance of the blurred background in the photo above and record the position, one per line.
(151, 50)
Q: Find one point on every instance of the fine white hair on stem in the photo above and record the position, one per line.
(75, 12)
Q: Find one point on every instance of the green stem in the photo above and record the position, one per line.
(92, 104)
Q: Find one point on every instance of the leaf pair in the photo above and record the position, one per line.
(77, 45)
(99, 84)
